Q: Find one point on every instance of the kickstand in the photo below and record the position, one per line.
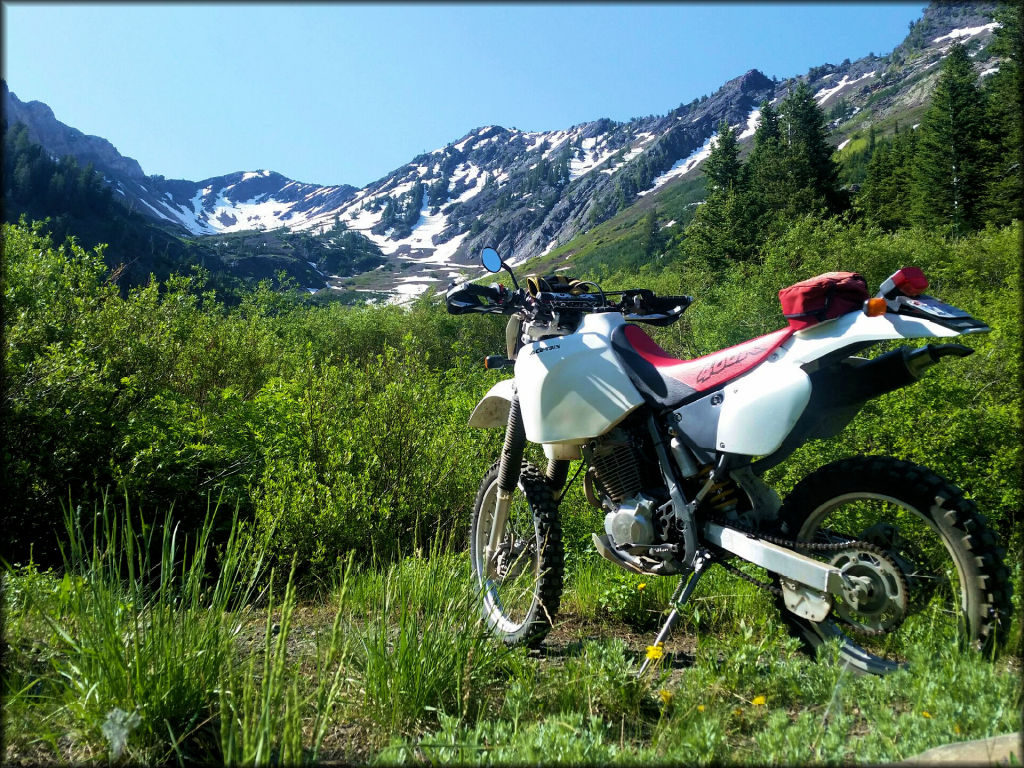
(700, 563)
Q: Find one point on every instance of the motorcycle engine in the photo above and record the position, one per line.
(630, 512)
(630, 524)
(613, 466)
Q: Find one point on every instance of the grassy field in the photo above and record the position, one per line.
(145, 643)
(143, 650)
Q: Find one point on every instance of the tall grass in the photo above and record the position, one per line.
(148, 649)
(155, 651)
(141, 629)
(268, 714)
(425, 650)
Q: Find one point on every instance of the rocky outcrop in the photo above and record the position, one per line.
(60, 139)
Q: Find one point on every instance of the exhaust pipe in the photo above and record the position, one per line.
(605, 550)
(893, 370)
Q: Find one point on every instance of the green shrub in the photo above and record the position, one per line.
(367, 457)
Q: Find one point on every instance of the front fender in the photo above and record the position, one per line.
(492, 410)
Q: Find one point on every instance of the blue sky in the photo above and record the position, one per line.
(345, 93)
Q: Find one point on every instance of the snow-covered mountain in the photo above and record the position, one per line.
(245, 201)
(524, 192)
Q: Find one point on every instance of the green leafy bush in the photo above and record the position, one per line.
(366, 457)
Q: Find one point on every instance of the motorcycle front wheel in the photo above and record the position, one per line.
(521, 580)
(934, 569)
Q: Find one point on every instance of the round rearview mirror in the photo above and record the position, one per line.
(491, 260)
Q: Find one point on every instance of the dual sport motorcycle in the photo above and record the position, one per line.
(867, 551)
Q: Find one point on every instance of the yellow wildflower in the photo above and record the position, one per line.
(655, 652)
(759, 701)
(926, 713)
(666, 696)
(700, 707)
(642, 586)
(737, 711)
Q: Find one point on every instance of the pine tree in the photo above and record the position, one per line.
(904, 148)
(768, 127)
(770, 194)
(721, 228)
(651, 240)
(807, 137)
(875, 198)
(1003, 196)
(720, 231)
(948, 169)
(722, 168)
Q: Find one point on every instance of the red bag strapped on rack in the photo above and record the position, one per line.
(821, 298)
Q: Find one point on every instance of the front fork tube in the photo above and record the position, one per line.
(556, 474)
(509, 468)
(501, 506)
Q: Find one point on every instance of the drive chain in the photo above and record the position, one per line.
(807, 546)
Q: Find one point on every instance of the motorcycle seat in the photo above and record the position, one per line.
(668, 382)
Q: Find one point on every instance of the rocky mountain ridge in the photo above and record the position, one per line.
(526, 193)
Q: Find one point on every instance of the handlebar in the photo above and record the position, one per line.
(640, 305)
(468, 297)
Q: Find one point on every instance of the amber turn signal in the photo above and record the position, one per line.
(494, 362)
(875, 307)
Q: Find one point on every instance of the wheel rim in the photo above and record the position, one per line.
(510, 580)
(937, 599)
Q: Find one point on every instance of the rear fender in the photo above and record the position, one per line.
(492, 410)
(855, 330)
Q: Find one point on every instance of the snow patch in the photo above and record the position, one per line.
(590, 159)
(411, 289)
(843, 144)
(753, 120)
(684, 166)
(825, 93)
(161, 214)
(965, 32)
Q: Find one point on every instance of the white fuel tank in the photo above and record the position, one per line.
(573, 388)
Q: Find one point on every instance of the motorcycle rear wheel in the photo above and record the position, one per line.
(957, 585)
(521, 584)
